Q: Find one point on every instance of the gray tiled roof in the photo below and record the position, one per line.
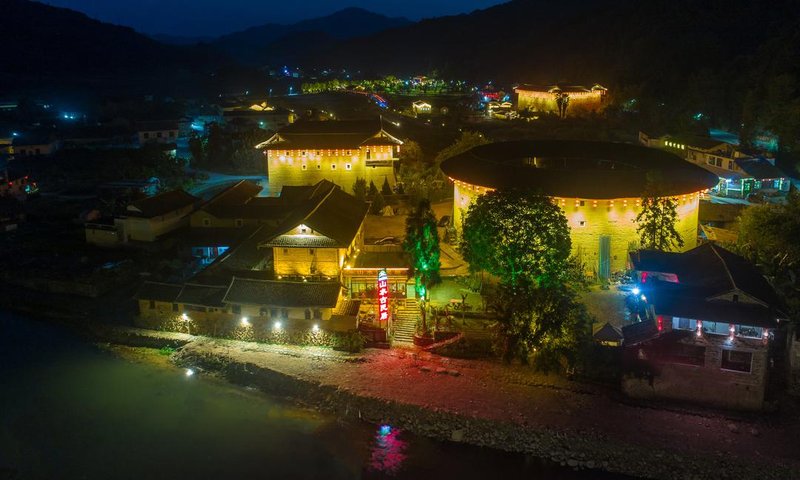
(282, 293)
(160, 292)
(202, 295)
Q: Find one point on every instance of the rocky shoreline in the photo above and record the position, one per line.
(584, 450)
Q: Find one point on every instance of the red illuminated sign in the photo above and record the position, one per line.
(383, 296)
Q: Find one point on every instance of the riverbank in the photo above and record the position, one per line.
(498, 406)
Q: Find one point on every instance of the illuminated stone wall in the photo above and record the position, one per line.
(544, 101)
(342, 167)
(589, 220)
(302, 260)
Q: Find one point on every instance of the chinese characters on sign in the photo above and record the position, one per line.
(383, 296)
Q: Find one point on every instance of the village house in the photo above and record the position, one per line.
(710, 316)
(338, 151)
(258, 115)
(250, 302)
(740, 174)
(157, 132)
(321, 236)
(34, 145)
(421, 107)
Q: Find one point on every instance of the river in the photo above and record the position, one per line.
(70, 409)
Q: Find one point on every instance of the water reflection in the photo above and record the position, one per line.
(388, 451)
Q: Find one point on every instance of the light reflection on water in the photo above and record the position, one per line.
(69, 410)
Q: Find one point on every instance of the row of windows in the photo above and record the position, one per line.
(347, 166)
(718, 328)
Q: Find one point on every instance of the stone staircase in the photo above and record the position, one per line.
(405, 322)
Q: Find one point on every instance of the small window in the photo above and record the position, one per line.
(307, 314)
(273, 313)
(263, 311)
(206, 222)
(303, 230)
(304, 167)
(347, 166)
(319, 166)
(333, 166)
(159, 134)
(286, 251)
(174, 307)
(737, 361)
(583, 203)
(237, 309)
(317, 314)
(239, 222)
(285, 312)
(146, 134)
(582, 223)
(311, 251)
(152, 304)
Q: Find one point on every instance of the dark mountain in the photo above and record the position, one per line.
(254, 45)
(178, 40)
(46, 45)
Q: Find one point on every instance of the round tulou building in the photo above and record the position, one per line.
(598, 185)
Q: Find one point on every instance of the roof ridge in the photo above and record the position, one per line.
(724, 265)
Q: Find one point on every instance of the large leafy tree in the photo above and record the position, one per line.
(768, 236)
(518, 236)
(422, 245)
(656, 222)
(523, 239)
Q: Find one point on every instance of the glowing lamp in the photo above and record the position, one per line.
(245, 322)
(189, 372)
(636, 291)
(315, 328)
(277, 325)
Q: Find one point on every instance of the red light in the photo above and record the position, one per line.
(644, 277)
(660, 323)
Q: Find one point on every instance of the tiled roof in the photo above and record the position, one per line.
(706, 277)
(283, 294)
(312, 241)
(202, 295)
(225, 203)
(160, 292)
(332, 213)
(161, 204)
(760, 169)
(330, 134)
(576, 169)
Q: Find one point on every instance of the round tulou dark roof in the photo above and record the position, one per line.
(581, 169)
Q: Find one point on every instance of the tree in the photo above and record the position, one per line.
(378, 204)
(360, 189)
(523, 239)
(386, 189)
(658, 217)
(373, 190)
(518, 236)
(422, 245)
(768, 236)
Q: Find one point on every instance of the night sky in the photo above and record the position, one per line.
(215, 17)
